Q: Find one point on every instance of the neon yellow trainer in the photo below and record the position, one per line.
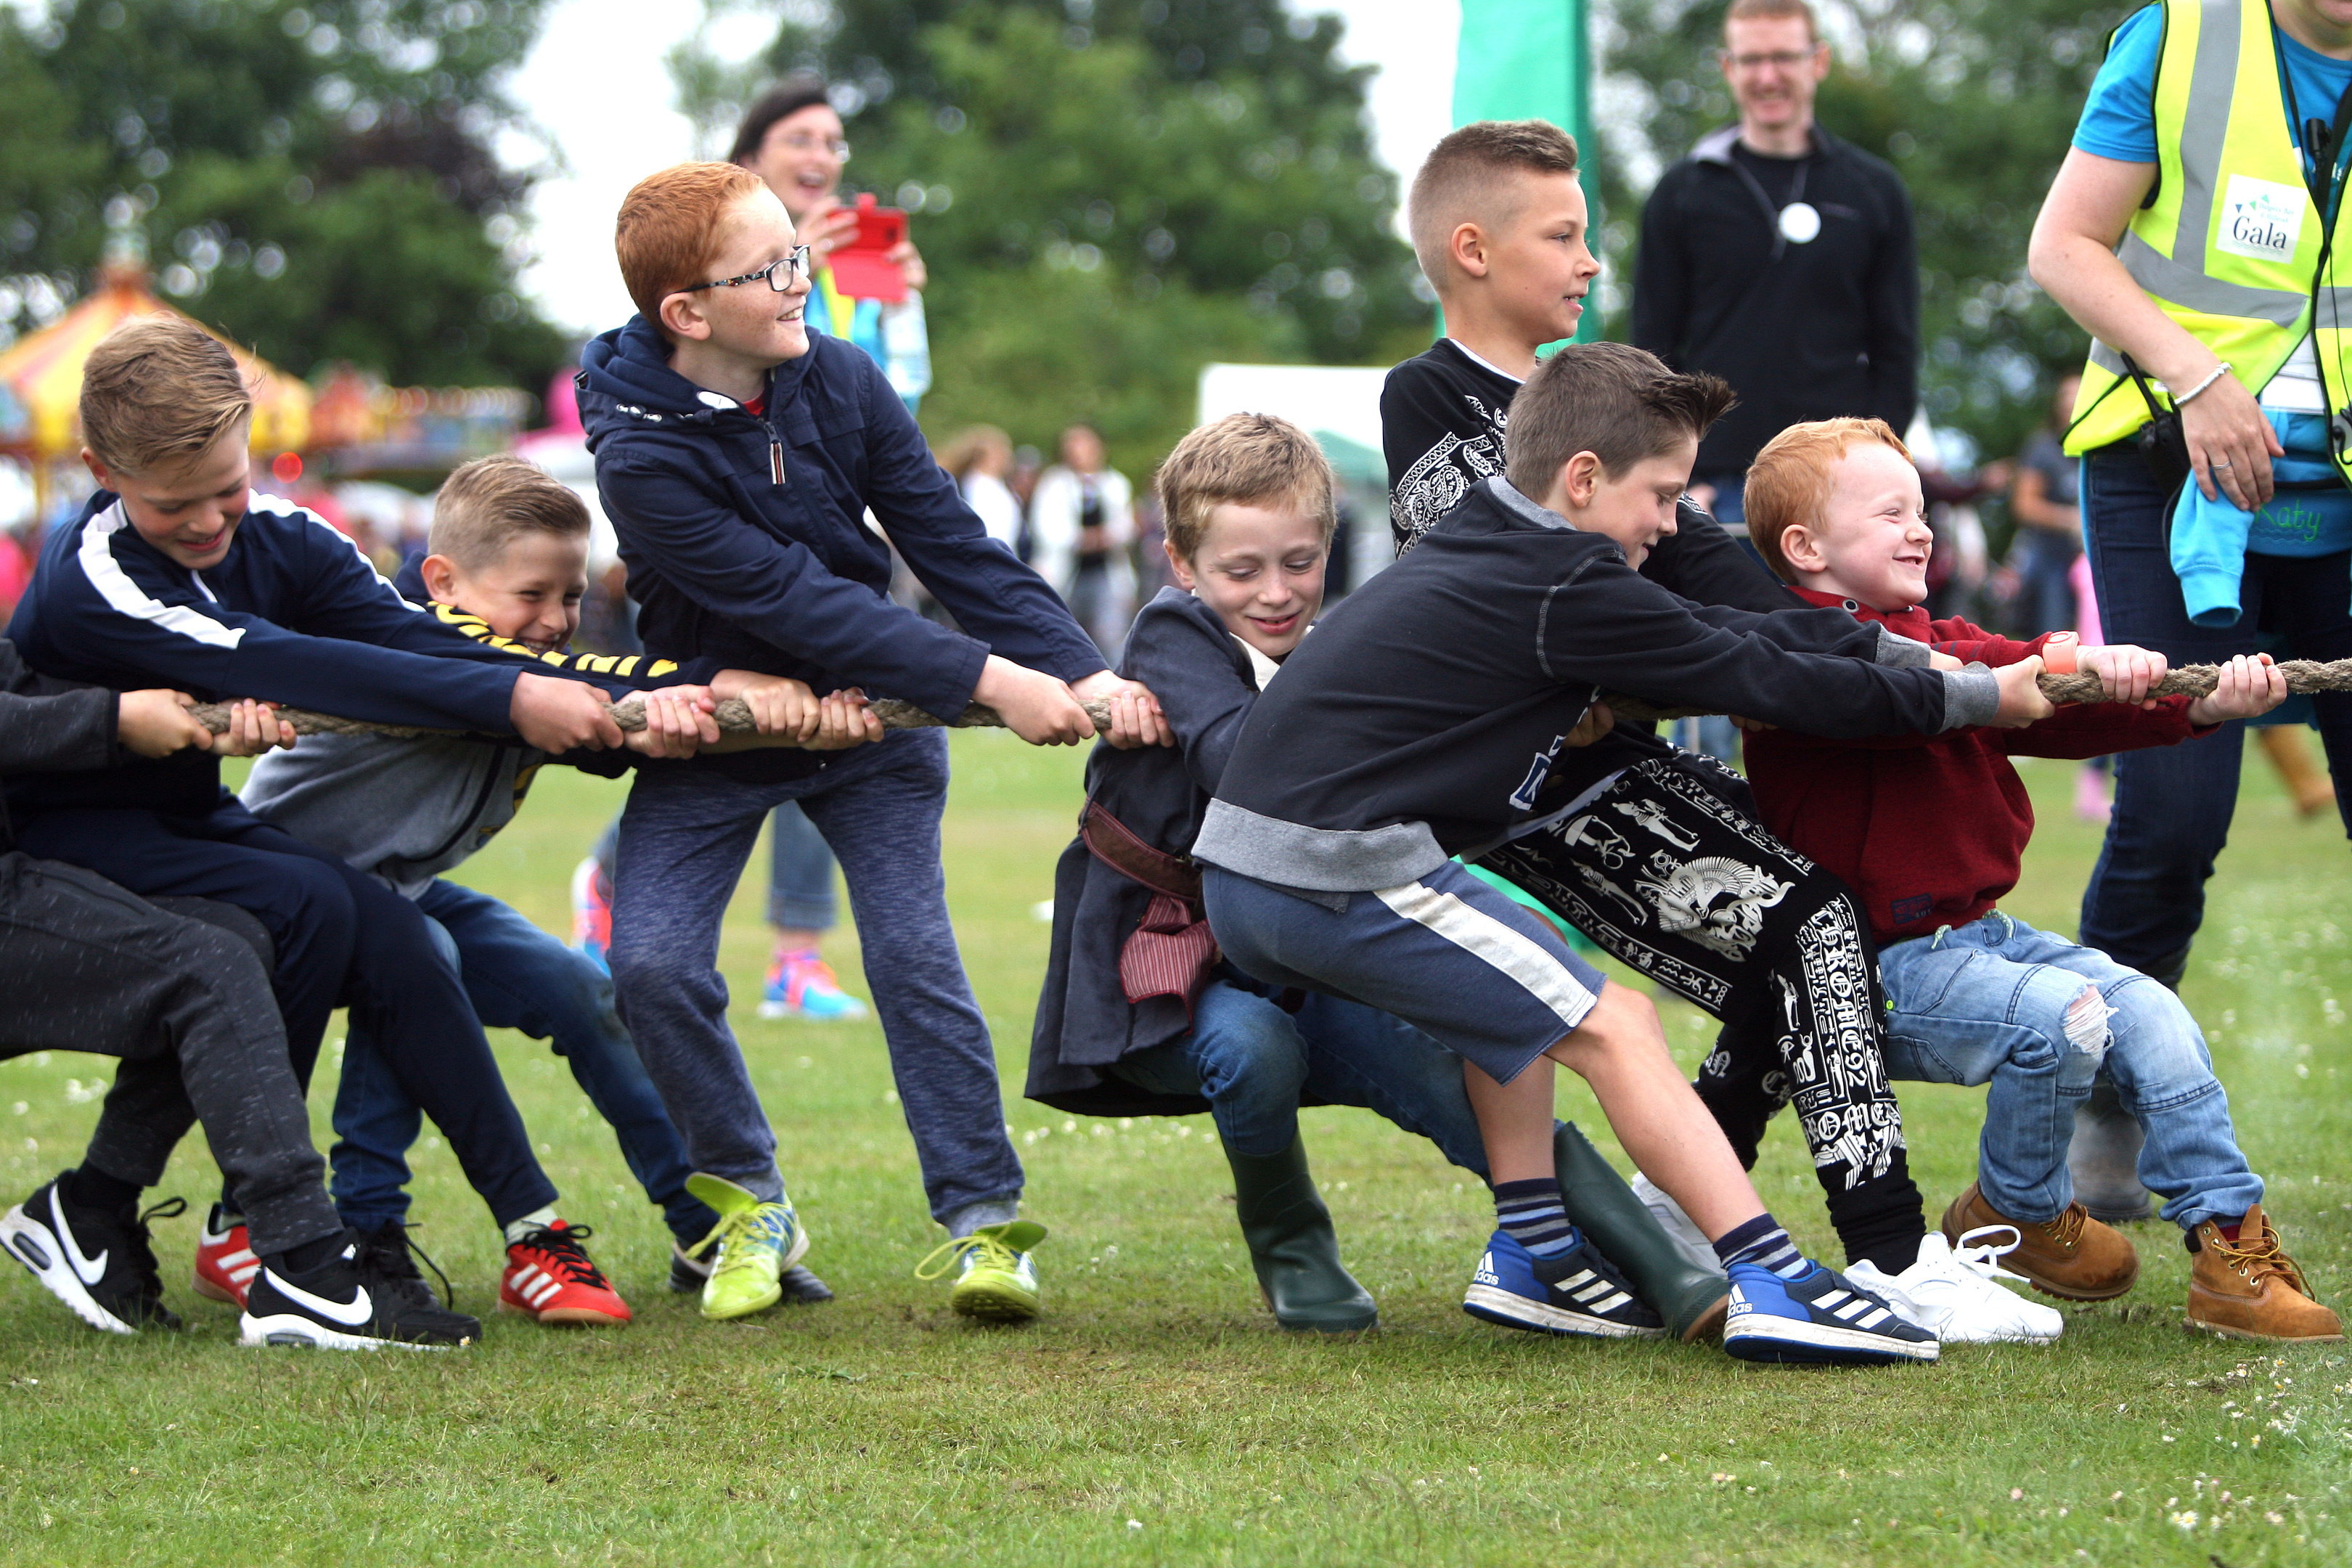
(998, 1280)
(757, 1242)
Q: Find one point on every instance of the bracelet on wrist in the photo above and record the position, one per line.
(2182, 400)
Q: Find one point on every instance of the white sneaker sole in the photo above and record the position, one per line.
(1830, 1343)
(1492, 1304)
(289, 1330)
(34, 1245)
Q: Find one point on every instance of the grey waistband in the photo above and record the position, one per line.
(1323, 859)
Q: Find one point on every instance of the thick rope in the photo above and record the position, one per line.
(735, 719)
(733, 716)
(2303, 675)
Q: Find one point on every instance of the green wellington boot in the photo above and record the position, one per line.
(1691, 1300)
(1292, 1246)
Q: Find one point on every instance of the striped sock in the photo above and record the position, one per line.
(1762, 1242)
(1531, 1213)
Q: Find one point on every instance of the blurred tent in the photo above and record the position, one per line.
(41, 377)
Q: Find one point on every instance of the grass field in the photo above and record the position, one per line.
(1155, 1415)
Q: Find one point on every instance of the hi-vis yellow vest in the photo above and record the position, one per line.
(2233, 248)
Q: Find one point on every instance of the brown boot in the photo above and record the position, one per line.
(2250, 1289)
(2073, 1257)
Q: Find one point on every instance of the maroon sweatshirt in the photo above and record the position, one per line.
(1929, 830)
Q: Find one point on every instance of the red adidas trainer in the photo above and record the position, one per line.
(224, 1262)
(551, 1280)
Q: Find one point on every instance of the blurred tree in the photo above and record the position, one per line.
(314, 179)
(1111, 196)
(1973, 102)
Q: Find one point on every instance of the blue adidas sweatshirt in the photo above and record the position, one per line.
(746, 541)
(293, 613)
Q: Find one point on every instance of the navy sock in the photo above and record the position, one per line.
(1762, 1242)
(1531, 1214)
(308, 1255)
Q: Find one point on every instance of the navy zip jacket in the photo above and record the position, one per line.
(293, 613)
(1428, 715)
(746, 542)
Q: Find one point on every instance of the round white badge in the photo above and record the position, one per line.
(1800, 222)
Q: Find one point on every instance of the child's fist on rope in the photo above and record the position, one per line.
(2125, 673)
(2022, 703)
(1135, 716)
(156, 723)
(2247, 687)
(558, 715)
(679, 722)
(790, 710)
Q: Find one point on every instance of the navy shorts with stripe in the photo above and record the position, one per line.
(1448, 954)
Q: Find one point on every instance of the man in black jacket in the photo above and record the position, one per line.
(184, 998)
(1780, 258)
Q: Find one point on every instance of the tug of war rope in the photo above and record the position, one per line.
(733, 717)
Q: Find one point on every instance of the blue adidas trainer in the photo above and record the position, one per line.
(1820, 1317)
(1579, 1293)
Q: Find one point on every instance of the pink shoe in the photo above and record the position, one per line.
(2091, 802)
(591, 911)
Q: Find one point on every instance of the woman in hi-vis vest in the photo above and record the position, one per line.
(2194, 231)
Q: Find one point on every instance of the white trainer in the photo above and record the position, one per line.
(1954, 1293)
(1688, 1239)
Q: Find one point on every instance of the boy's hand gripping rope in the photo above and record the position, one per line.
(734, 717)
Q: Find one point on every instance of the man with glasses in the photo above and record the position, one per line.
(1780, 258)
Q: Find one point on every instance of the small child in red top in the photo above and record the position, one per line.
(1930, 832)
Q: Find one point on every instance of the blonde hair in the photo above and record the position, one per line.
(668, 233)
(159, 391)
(969, 445)
(1242, 460)
(490, 503)
(1789, 484)
(1465, 179)
(1772, 11)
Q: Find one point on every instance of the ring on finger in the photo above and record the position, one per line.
(2220, 462)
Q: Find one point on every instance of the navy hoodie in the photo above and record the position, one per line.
(746, 542)
(293, 613)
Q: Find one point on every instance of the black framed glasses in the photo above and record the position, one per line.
(778, 274)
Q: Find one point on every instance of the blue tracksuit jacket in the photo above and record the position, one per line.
(293, 613)
(746, 542)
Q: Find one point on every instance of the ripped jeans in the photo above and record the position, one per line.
(2039, 1018)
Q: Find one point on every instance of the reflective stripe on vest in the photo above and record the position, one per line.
(2232, 246)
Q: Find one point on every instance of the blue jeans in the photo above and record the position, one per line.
(2173, 803)
(1988, 1002)
(686, 833)
(800, 872)
(518, 977)
(1252, 1061)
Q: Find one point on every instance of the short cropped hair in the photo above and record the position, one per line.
(490, 503)
(668, 233)
(1465, 179)
(803, 90)
(159, 391)
(1242, 460)
(1772, 11)
(1791, 480)
(1617, 402)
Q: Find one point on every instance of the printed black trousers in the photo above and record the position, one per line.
(1669, 870)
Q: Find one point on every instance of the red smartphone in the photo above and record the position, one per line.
(859, 271)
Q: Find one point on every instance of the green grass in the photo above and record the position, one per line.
(1155, 1413)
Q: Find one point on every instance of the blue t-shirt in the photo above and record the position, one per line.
(2119, 118)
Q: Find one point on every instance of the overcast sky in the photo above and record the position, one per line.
(597, 84)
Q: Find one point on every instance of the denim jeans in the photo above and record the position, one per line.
(2173, 803)
(518, 977)
(800, 872)
(1988, 1002)
(1252, 1061)
(686, 833)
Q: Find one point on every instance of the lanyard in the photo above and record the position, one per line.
(2319, 145)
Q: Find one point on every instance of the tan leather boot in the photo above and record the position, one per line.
(2250, 1289)
(2073, 1257)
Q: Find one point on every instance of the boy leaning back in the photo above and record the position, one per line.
(176, 572)
(738, 455)
(1669, 869)
(1930, 832)
(1424, 719)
